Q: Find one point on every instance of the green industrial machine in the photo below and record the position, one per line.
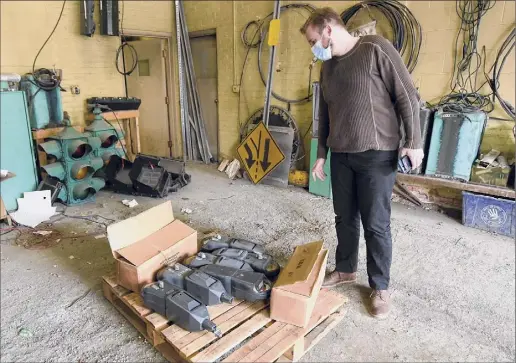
(319, 187)
(75, 160)
(108, 136)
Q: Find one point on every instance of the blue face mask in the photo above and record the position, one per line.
(320, 52)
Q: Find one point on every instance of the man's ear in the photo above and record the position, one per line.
(329, 30)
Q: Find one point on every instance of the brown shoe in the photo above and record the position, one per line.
(336, 278)
(380, 304)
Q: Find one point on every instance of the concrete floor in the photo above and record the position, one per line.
(453, 287)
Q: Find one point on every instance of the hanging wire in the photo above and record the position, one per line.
(407, 33)
(44, 78)
(465, 95)
(260, 33)
(505, 50)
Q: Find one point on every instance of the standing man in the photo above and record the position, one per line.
(366, 89)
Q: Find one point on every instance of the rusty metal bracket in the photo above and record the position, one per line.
(407, 194)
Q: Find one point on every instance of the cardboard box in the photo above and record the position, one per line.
(144, 243)
(295, 292)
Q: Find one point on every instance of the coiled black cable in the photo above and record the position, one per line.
(45, 79)
(120, 50)
(134, 56)
(407, 32)
(465, 102)
(251, 43)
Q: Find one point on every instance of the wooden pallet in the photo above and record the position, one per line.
(242, 324)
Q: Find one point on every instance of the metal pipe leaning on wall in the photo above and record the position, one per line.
(181, 85)
(272, 53)
(195, 140)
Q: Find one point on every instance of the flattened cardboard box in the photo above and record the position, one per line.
(295, 292)
(148, 241)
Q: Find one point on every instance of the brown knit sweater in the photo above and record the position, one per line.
(364, 95)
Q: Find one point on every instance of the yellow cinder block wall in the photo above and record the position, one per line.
(432, 75)
(89, 62)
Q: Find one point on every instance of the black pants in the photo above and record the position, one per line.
(362, 186)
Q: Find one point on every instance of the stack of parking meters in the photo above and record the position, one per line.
(225, 269)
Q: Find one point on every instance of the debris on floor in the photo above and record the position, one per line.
(233, 169)
(130, 203)
(78, 299)
(24, 332)
(186, 211)
(34, 208)
(42, 233)
(223, 165)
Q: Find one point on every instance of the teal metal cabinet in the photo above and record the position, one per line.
(16, 149)
(318, 187)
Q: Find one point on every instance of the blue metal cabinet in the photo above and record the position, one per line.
(16, 149)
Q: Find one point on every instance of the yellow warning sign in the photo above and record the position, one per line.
(259, 153)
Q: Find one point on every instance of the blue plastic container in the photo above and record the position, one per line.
(490, 214)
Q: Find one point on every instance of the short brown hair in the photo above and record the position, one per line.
(320, 18)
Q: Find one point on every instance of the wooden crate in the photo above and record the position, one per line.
(242, 324)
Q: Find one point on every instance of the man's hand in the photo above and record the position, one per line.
(415, 156)
(318, 170)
